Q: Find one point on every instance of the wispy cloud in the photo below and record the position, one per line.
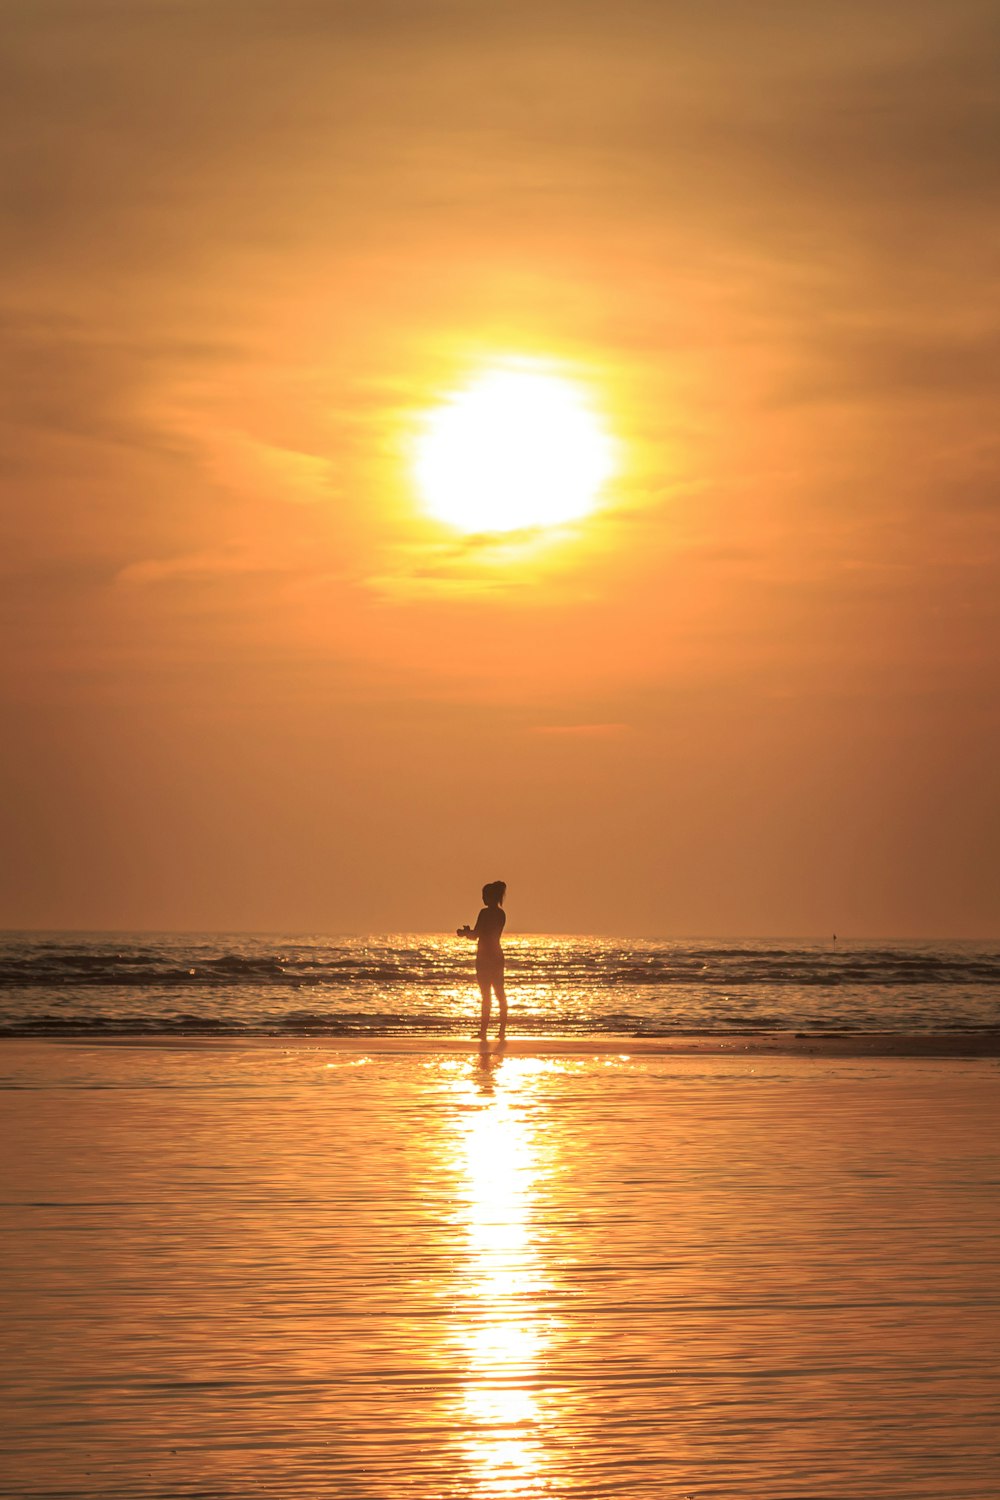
(583, 731)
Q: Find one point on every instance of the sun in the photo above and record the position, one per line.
(515, 448)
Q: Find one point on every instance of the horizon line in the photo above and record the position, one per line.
(675, 937)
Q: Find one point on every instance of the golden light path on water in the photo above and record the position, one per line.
(502, 1334)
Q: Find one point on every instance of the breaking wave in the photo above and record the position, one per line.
(156, 984)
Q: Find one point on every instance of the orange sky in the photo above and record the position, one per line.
(249, 684)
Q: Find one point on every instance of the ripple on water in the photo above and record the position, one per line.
(319, 1273)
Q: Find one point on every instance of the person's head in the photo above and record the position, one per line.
(494, 893)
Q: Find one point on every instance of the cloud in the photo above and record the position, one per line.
(61, 376)
(239, 233)
(197, 567)
(246, 465)
(583, 731)
(894, 363)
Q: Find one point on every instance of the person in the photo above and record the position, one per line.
(489, 955)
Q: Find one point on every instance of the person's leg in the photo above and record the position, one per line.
(484, 1021)
(502, 998)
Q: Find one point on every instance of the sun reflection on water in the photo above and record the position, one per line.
(502, 1330)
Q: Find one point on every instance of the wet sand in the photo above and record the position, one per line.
(687, 1267)
(940, 1044)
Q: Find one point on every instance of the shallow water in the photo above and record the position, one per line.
(330, 1273)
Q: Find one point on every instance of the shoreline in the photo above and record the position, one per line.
(938, 1045)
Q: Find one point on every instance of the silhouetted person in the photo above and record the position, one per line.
(489, 954)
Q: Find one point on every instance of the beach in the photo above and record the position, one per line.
(381, 1267)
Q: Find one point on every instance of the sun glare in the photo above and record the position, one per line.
(503, 1341)
(514, 449)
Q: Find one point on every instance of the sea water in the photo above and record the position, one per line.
(316, 1269)
(419, 984)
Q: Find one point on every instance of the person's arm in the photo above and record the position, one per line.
(473, 932)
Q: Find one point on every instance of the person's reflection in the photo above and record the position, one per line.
(487, 1066)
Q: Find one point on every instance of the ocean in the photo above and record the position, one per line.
(272, 1224)
(414, 984)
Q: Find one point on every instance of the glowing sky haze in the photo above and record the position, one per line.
(248, 680)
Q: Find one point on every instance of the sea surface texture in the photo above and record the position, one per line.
(318, 1270)
(413, 984)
